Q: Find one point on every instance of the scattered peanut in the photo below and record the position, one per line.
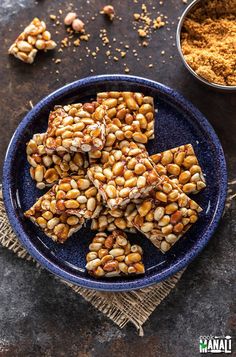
(77, 25)
(109, 11)
(70, 17)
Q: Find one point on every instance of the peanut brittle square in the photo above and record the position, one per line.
(182, 167)
(63, 209)
(34, 37)
(125, 174)
(76, 128)
(46, 169)
(166, 216)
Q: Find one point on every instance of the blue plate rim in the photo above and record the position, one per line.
(96, 284)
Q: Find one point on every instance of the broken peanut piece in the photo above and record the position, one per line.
(46, 169)
(125, 174)
(113, 255)
(167, 216)
(182, 167)
(34, 37)
(76, 128)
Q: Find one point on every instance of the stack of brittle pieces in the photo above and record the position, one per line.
(94, 161)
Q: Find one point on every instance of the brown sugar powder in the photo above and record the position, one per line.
(208, 41)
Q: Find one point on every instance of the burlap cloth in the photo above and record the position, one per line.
(121, 308)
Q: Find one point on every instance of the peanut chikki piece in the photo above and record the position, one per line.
(167, 216)
(77, 195)
(124, 175)
(73, 197)
(182, 167)
(76, 128)
(130, 116)
(34, 37)
(47, 169)
(56, 225)
(109, 220)
(112, 255)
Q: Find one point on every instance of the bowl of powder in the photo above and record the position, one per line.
(206, 41)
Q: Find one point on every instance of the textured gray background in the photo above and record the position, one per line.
(38, 315)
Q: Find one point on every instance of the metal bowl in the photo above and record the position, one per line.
(219, 87)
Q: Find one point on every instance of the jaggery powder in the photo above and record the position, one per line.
(208, 41)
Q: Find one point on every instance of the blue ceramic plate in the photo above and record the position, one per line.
(177, 123)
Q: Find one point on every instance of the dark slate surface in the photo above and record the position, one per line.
(38, 315)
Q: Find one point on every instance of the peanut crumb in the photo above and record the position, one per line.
(142, 33)
(77, 42)
(158, 23)
(85, 37)
(144, 8)
(65, 42)
(137, 16)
